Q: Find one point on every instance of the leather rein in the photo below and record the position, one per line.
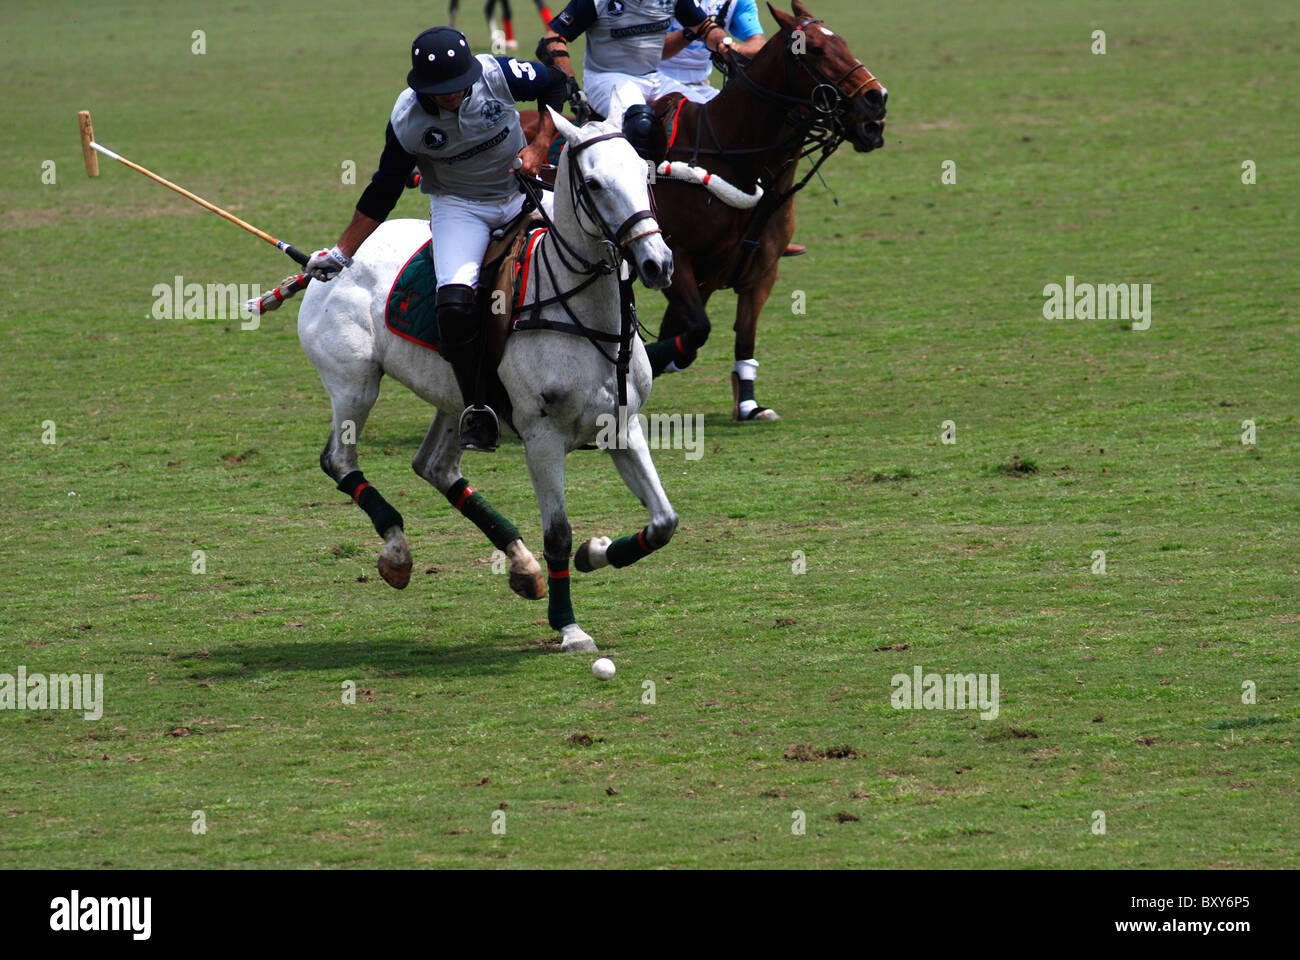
(817, 126)
(616, 243)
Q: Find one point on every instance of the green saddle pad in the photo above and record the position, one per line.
(411, 308)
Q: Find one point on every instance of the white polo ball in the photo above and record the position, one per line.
(603, 668)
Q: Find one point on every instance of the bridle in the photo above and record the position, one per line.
(818, 122)
(837, 85)
(616, 243)
(580, 194)
(821, 122)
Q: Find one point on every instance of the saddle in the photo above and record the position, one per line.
(411, 308)
(498, 283)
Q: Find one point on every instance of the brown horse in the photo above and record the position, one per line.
(801, 96)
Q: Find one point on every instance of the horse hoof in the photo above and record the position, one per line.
(591, 555)
(530, 586)
(573, 639)
(394, 574)
(762, 413)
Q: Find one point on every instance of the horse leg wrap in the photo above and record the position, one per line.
(559, 609)
(743, 384)
(482, 514)
(381, 513)
(628, 550)
(671, 355)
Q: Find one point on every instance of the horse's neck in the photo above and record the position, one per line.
(742, 120)
(592, 305)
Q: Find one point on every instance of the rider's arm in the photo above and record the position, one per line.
(689, 14)
(530, 80)
(674, 43)
(567, 25)
(751, 46)
(747, 28)
(379, 198)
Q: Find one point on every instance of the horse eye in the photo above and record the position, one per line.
(594, 185)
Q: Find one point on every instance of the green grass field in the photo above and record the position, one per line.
(1121, 692)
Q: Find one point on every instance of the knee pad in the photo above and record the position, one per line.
(639, 127)
(457, 322)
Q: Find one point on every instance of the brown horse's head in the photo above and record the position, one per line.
(833, 78)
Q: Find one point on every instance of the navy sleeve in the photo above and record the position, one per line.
(688, 13)
(386, 186)
(527, 79)
(556, 91)
(577, 17)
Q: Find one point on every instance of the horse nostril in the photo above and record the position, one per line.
(649, 269)
(875, 100)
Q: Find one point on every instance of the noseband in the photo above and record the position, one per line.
(582, 200)
(828, 98)
(617, 242)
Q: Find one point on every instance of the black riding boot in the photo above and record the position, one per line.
(461, 345)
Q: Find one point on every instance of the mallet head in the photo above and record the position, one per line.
(87, 138)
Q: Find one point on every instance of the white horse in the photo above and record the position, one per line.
(559, 384)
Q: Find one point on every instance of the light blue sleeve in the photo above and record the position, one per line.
(744, 20)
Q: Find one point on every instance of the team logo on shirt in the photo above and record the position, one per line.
(435, 139)
(641, 29)
(615, 8)
(492, 111)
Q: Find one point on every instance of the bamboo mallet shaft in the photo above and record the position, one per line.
(91, 149)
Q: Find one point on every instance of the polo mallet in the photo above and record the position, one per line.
(292, 285)
(90, 151)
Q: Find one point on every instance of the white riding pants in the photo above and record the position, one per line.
(698, 91)
(613, 93)
(462, 230)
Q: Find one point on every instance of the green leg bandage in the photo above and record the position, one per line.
(381, 513)
(663, 352)
(559, 611)
(628, 550)
(475, 507)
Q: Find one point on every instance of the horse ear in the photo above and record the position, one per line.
(567, 130)
(783, 19)
(799, 9)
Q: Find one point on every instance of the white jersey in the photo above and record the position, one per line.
(691, 64)
(469, 153)
(628, 36)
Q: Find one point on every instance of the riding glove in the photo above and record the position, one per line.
(325, 264)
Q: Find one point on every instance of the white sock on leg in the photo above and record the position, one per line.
(747, 370)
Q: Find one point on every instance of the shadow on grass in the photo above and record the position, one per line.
(492, 657)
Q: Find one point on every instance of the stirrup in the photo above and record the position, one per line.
(479, 428)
